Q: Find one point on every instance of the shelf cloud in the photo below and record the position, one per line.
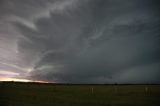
(81, 41)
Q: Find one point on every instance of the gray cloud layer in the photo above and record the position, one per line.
(83, 41)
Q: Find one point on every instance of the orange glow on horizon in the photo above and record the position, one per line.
(22, 80)
(14, 79)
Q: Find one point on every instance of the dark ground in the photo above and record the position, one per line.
(34, 94)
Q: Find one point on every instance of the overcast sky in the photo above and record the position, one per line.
(80, 41)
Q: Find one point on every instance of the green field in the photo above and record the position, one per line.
(30, 94)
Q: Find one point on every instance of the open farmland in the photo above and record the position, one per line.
(32, 94)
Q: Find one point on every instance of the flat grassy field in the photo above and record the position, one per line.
(30, 94)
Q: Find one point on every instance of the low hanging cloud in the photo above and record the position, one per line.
(91, 41)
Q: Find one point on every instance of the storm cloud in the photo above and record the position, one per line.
(81, 41)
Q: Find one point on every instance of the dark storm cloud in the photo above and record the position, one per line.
(91, 41)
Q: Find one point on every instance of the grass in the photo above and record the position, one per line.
(30, 94)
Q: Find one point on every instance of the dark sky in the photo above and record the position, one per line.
(80, 41)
